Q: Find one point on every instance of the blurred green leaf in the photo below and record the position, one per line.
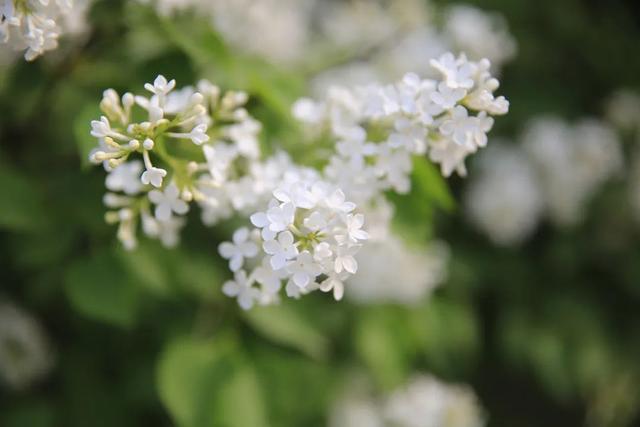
(21, 205)
(206, 383)
(189, 377)
(430, 186)
(147, 265)
(241, 401)
(378, 343)
(32, 414)
(99, 287)
(284, 324)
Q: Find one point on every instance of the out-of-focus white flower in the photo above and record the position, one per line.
(504, 199)
(25, 354)
(167, 202)
(572, 162)
(623, 109)
(242, 289)
(416, 270)
(479, 34)
(240, 247)
(125, 178)
(427, 402)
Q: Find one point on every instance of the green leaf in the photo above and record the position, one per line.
(241, 401)
(99, 287)
(207, 383)
(379, 345)
(429, 184)
(146, 264)
(20, 201)
(189, 376)
(285, 325)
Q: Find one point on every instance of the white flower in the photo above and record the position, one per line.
(126, 178)
(277, 218)
(303, 269)
(322, 252)
(447, 97)
(334, 284)
(168, 202)
(479, 34)
(33, 26)
(198, 134)
(456, 71)
(315, 222)
(160, 87)
(337, 201)
(100, 128)
(153, 176)
(459, 127)
(504, 200)
(345, 259)
(242, 289)
(240, 249)
(354, 228)
(245, 136)
(281, 250)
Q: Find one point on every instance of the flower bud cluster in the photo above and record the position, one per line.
(164, 151)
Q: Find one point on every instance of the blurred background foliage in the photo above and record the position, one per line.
(547, 333)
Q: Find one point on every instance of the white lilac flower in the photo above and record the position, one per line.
(281, 249)
(32, 26)
(168, 202)
(25, 354)
(242, 289)
(456, 71)
(180, 116)
(240, 247)
(504, 198)
(309, 239)
(447, 118)
(572, 162)
(125, 178)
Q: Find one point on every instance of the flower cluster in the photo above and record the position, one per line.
(184, 148)
(170, 149)
(504, 198)
(307, 239)
(554, 172)
(378, 128)
(423, 402)
(572, 162)
(31, 25)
